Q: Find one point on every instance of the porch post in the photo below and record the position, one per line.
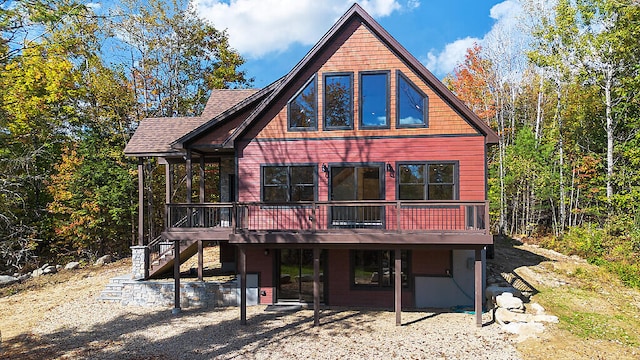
(176, 277)
(398, 286)
(189, 169)
(316, 286)
(168, 189)
(243, 285)
(201, 194)
(200, 261)
(141, 201)
(478, 286)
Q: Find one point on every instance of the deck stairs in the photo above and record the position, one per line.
(163, 263)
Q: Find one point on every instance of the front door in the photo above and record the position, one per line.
(295, 274)
(354, 183)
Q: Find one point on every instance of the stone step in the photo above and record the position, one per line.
(109, 299)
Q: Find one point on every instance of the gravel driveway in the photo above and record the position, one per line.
(86, 329)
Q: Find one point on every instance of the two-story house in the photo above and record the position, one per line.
(357, 179)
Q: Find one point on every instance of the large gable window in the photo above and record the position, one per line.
(288, 183)
(338, 101)
(427, 181)
(374, 99)
(412, 104)
(303, 108)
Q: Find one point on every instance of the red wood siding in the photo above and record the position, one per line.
(467, 151)
(363, 51)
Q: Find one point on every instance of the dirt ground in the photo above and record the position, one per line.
(598, 316)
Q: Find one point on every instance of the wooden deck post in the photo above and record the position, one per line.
(478, 286)
(189, 169)
(316, 286)
(168, 189)
(141, 202)
(398, 286)
(176, 276)
(201, 193)
(200, 260)
(243, 285)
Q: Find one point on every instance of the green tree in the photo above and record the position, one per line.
(174, 57)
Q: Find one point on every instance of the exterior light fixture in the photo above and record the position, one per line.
(325, 168)
(390, 170)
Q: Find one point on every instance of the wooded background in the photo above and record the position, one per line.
(560, 91)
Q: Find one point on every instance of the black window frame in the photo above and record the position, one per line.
(289, 181)
(312, 80)
(425, 102)
(380, 285)
(325, 102)
(361, 124)
(427, 164)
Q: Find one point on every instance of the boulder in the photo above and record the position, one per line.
(536, 308)
(103, 260)
(508, 301)
(37, 272)
(524, 330)
(6, 280)
(49, 270)
(491, 292)
(72, 265)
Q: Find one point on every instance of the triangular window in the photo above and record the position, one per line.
(412, 104)
(303, 108)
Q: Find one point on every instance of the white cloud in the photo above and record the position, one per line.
(445, 61)
(506, 15)
(260, 27)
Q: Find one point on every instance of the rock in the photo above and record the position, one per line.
(24, 277)
(58, 267)
(491, 292)
(536, 308)
(37, 272)
(103, 260)
(72, 265)
(6, 280)
(503, 316)
(49, 270)
(508, 301)
(524, 330)
(546, 318)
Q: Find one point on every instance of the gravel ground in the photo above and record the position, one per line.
(86, 329)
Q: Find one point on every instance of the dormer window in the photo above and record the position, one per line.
(412, 104)
(303, 108)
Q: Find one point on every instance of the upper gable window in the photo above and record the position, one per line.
(338, 101)
(303, 108)
(412, 104)
(374, 99)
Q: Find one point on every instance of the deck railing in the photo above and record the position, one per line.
(388, 216)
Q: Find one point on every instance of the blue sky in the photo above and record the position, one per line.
(273, 35)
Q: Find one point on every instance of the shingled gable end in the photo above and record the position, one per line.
(357, 179)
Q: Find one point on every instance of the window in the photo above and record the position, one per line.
(427, 181)
(374, 100)
(412, 104)
(376, 268)
(338, 101)
(288, 183)
(303, 109)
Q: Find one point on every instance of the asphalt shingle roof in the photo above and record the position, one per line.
(155, 135)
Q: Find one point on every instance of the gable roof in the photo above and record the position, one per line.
(155, 136)
(356, 13)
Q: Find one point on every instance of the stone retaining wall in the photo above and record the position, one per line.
(192, 294)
